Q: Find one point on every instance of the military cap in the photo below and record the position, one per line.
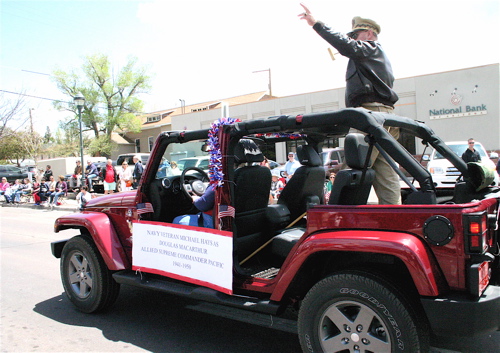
(359, 24)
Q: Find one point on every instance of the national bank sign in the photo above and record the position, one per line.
(459, 111)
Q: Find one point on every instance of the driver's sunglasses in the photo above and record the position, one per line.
(356, 34)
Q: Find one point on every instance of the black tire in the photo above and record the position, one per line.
(87, 281)
(353, 312)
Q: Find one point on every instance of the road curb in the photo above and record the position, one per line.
(64, 207)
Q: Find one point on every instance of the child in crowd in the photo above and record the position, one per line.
(276, 187)
(40, 192)
(83, 197)
(328, 186)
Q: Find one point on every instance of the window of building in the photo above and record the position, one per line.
(152, 119)
(137, 145)
(151, 141)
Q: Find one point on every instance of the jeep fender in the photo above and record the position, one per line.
(100, 228)
(414, 253)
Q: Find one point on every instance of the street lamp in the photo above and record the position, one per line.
(79, 101)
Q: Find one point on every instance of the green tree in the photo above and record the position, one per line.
(47, 138)
(103, 145)
(111, 102)
(16, 146)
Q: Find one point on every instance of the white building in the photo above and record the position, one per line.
(456, 104)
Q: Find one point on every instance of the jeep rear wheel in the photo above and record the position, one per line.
(357, 313)
(87, 281)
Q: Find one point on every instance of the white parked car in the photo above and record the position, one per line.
(444, 174)
(199, 162)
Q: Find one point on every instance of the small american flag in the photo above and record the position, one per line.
(226, 211)
(144, 208)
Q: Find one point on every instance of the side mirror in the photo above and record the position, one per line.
(426, 157)
(205, 147)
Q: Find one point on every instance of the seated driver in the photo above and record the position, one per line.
(205, 203)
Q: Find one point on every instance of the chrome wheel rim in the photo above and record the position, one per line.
(350, 325)
(80, 275)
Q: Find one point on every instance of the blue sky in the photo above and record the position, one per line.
(203, 50)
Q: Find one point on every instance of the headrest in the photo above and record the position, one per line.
(356, 149)
(247, 151)
(308, 156)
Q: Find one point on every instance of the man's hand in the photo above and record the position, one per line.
(306, 15)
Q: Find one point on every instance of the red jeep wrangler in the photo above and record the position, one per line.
(362, 277)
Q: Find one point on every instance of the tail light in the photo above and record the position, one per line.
(476, 233)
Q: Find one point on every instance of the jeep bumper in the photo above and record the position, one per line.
(458, 315)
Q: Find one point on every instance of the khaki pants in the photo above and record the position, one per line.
(386, 183)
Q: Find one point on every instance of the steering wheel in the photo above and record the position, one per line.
(195, 184)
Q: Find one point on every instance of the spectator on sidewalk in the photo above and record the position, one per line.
(61, 189)
(25, 188)
(91, 173)
(471, 154)
(48, 172)
(83, 197)
(110, 177)
(291, 166)
(138, 170)
(40, 192)
(125, 177)
(10, 193)
(4, 185)
(276, 187)
(76, 179)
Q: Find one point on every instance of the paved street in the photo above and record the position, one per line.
(37, 317)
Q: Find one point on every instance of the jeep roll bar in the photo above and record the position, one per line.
(339, 122)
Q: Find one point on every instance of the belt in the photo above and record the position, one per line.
(379, 107)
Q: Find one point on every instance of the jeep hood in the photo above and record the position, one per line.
(120, 199)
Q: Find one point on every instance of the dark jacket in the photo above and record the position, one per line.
(47, 174)
(138, 170)
(369, 76)
(471, 156)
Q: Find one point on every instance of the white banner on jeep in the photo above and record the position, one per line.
(197, 255)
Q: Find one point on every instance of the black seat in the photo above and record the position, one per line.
(252, 184)
(306, 186)
(352, 186)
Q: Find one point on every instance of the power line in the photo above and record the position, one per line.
(27, 95)
(54, 100)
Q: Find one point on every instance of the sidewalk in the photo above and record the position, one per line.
(69, 204)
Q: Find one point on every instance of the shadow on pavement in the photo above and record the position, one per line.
(162, 323)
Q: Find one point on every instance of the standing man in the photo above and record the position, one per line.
(369, 82)
(291, 166)
(138, 170)
(48, 172)
(76, 179)
(470, 154)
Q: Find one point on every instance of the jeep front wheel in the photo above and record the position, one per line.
(87, 281)
(356, 313)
